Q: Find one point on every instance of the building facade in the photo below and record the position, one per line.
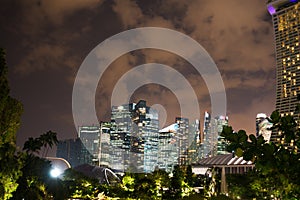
(168, 148)
(74, 152)
(217, 127)
(134, 138)
(104, 144)
(286, 23)
(263, 126)
(207, 140)
(214, 143)
(89, 136)
(183, 139)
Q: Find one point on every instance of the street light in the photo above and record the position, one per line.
(59, 165)
(55, 172)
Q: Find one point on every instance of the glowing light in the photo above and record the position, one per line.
(271, 10)
(55, 172)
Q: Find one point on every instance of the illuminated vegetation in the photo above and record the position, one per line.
(10, 113)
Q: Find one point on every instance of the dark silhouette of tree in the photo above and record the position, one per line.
(46, 140)
(190, 178)
(34, 179)
(35, 182)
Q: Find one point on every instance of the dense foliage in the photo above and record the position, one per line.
(277, 165)
(10, 113)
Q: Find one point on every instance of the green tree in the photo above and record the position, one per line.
(45, 141)
(179, 188)
(76, 185)
(35, 182)
(277, 167)
(10, 113)
(190, 177)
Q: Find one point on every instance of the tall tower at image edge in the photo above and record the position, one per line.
(286, 23)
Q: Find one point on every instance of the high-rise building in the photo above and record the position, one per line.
(74, 152)
(263, 126)
(286, 23)
(104, 144)
(207, 137)
(259, 118)
(120, 134)
(195, 139)
(217, 127)
(183, 139)
(214, 143)
(168, 148)
(135, 137)
(89, 136)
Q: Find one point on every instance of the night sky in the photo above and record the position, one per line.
(47, 40)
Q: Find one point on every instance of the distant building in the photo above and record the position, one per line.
(286, 23)
(74, 152)
(89, 136)
(168, 148)
(194, 132)
(263, 126)
(195, 139)
(214, 143)
(217, 126)
(134, 137)
(183, 139)
(104, 144)
(207, 137)
(120, 137)
(259, 118)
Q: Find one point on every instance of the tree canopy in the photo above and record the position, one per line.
(277, 164)
(10, 114)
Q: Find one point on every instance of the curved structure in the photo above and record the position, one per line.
(104, 175)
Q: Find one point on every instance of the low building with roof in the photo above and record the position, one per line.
(227, 164)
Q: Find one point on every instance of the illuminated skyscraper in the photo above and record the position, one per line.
(263, 126)
(183, 139)
(195, 139)
(217, 125)
(286, 22)
(168, 148)
(74, 152)
(207, 143)
(104, 144)
(134, 137)
(214, 143)
(89, 136)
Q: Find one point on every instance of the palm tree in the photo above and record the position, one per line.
(46, 140)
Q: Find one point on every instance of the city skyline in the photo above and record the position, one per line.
(46, 43)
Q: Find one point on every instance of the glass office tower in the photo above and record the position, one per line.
(286, 22)
(183, 139)
(134, 137)
(89, 136)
